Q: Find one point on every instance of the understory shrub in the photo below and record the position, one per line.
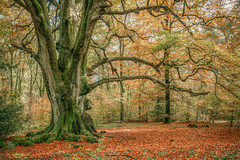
(11, 118)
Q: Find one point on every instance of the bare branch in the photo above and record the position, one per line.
(28, 50)
(137, 10)
(229, 90)
(114, 70)
(179, 19)
(192, 74)
(55, 3)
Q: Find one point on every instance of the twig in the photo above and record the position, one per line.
(121, 155)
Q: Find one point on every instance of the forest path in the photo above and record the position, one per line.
(143, 141)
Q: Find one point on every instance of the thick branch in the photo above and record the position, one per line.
(125, 78)
(136, 10)
(38, 11)
(192, 74)
(22, 4)
(134, 59)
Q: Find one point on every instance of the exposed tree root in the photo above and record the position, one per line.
(44, 137)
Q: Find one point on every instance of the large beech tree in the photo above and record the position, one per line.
(63, 58)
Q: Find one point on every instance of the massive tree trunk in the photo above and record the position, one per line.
(64, 63)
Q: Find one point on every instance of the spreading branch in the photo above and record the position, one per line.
(134, 59)
(136, 10)
(125, 78)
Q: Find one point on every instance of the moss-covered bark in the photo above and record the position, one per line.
(70, 122)
(71, 126)
(64, 64)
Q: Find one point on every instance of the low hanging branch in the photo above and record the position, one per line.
(125, 78)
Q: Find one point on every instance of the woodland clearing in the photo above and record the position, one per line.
(142, 141)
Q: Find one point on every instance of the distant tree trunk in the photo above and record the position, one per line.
(33, 77)
(11, 71)
(187, 114)
(167, 90)
(121, 106)
(40, 85)
(197, 114)
(139, 107)
(121, 83)
(158, 110)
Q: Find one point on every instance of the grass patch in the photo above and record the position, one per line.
(76, 145)
(68, 155)
(9, 145)
(30, 134)
(91, 139)
(192, 152)
(19, 141)
(2, 145)
(40, 138)
(73, 138)
(28, 143)
(161, 153)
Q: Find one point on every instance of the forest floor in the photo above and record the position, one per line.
(142, 141)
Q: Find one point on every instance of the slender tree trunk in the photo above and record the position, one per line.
(33, 77)
(11, 72)
(121, 83)
(158, 110)
(121, 106)
(167, 73)
(167, 90)
(197, 114)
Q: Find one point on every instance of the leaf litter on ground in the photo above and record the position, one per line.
(145, 141)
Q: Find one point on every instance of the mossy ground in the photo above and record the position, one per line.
(44, 138)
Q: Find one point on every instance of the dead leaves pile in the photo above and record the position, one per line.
(148, 141)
